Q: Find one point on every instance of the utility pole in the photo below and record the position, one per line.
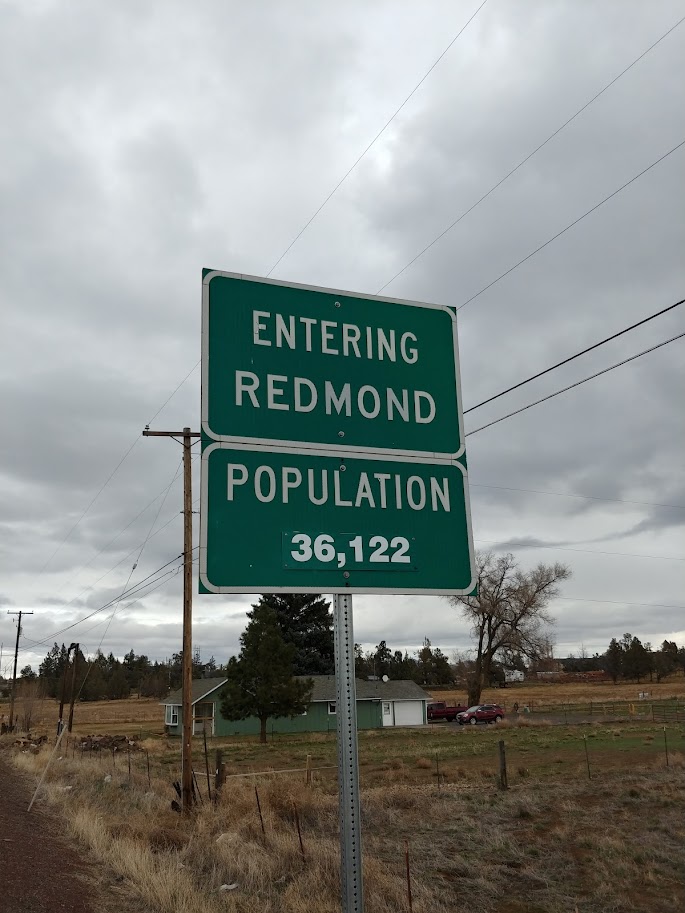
(60, 724)
(73, 685)
(186, 437)
(14, 674)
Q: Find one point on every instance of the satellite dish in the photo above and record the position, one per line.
(385, 678)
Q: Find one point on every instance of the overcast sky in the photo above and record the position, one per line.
(141, 142)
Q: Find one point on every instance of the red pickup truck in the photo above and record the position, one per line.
(439, 710)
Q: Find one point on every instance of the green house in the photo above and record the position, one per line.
(379, 704)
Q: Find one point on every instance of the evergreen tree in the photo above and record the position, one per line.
(382, 660)
(636, 658)
(613, 660)
(306, 622)
(118, 686)
(260, 681)
(52, 669)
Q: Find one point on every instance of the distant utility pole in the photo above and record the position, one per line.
(73, 686)
(60, 723)
(185, 438)
(14, 674)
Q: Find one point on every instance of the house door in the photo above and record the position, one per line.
(387, 714)
(203, 717)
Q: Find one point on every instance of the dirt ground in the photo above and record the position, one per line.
(41, 873)
(42, 869)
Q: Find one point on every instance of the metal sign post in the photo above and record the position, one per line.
(333, 440)
(348, 765)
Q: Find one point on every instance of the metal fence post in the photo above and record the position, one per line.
(348, 763)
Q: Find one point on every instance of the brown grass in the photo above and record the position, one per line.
(615, 843)
(145, 716)
(572, 692)
(124, 717)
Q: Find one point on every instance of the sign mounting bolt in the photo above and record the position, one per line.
(346, 574)
(341, 434)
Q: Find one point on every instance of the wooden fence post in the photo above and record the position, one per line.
(503, 782)
(406, 859)
(259, 809)
(220, 775)
(308, 775)
(299, 832)
(587, 758)
(204, 736)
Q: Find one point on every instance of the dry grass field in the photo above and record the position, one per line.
(551, 693)
(128, 717)
(145, 716)
(559, 840)
(555, 842)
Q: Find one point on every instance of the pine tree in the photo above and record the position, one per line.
(260, 681)
(613, 659)
(306, 622)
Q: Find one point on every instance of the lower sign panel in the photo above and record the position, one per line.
(302, 521)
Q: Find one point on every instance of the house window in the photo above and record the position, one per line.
(386, 708)
(171, 715)
(331, 706)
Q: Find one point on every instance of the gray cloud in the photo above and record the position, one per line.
(141, 144)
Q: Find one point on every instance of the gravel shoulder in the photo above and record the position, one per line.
(41, 871)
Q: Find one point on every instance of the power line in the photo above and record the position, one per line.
(175, 391)
(135, 565)
(373, 141)
(150, 588)
(563, 494)
(576, 384)
(164, 492)
(577, 355)
(647, 605)
(572, 224)
(97, 495)
(127, 555)
(587, 551)
(529, 156)
(115, 470)
(126, 593)
(493, 188)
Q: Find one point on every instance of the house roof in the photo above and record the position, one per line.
(201, 688)
(324, 690)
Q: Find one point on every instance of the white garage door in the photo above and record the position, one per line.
(408, 713)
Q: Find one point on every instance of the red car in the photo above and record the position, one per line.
(482, 713)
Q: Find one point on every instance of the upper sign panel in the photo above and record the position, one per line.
(293, 365)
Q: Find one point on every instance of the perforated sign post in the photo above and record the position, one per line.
(332, 461)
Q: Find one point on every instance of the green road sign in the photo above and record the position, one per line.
(299, 520)
(287, 364)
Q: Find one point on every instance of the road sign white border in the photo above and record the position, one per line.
(287, 444)
(268, 588)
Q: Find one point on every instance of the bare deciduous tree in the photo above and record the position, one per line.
(29, 701)
(509, 614)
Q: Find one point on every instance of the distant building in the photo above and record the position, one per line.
(379, 704)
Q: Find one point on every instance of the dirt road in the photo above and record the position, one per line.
(40, 871)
